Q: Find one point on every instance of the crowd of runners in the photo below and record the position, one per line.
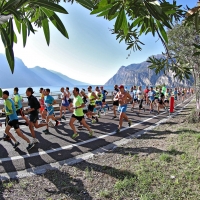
(90, 104)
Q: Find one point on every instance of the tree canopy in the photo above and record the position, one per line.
(132, 19)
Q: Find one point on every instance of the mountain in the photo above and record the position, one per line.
(66, 78)
(50, 77)
(22, 76)
(32, 77)
(140, 74)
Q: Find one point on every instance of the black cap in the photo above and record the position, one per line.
(6, 92)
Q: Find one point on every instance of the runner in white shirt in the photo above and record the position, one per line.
(64, 103)
(140, 98)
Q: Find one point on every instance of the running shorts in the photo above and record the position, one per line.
(99, 103)
(79, 118)
(14, 124)
(91, 108)
(122, 109)
(20, 112)
(33, 117)
(115, 103)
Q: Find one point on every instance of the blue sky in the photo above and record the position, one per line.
(91, 54)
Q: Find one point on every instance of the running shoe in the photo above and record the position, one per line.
(75, 135)
(42, 121)
(114, 117)
(144, 109)
(108, 108)
(16, 145)
(51, 124)
(99, 115)
(46, 131)
(132, 109)
(35, 140)
(129, 123)
(6, 138)
(63, 117)
(118, 130)
(30, 146)
(91, 133)
(57, 123)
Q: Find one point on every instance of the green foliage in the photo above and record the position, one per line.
(183, 44)
(24, 13)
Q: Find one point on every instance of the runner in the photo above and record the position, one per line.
(134, 96)
(98, 100)
(49, 102)
(156, 96)
(140, 97)
(167, 98)
(160, 103)
(64, 104)
(34, 106)
(78, 114)
(10, 110)
(146, 91)
(92, 98)
(115, 102)
(18, 105)
(123, 97)
(151, 97)
(68, 97)
(42, 106)
(175, 94)
(105, 93)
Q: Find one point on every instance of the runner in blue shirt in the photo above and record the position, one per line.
(49, 102)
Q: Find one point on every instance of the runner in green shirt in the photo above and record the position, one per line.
(78, 114)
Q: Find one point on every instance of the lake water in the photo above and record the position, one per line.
(54, 90)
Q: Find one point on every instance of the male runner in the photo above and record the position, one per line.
(134, 96)
(68, 96)
(105, 93)
(123, 97)
(140, 97)
(151, 97)
(115, 102)
(99, 100)
(10, 110)
(167, 98)
(78, 114)
(18, 105)
(64, 104)
(146, 91)
(92, 98)
(42, 106)
(34, 106)
(160, 103)
(49, 102)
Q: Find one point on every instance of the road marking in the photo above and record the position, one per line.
(79, 143)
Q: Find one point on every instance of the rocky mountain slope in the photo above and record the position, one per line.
(140, 74)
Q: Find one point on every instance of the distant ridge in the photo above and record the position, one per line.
(73, 81)
(32, 77)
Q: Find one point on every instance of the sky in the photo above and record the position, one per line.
(91, 54)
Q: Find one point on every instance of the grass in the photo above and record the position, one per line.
(163, 164)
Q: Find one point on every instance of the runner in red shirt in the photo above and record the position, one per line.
(146, 91)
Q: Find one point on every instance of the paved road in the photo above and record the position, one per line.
(59, 146)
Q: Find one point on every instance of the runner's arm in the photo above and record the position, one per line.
(9, 106)
(129, 97)
(94, 95)
(116, 97)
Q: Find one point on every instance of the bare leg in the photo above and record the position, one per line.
(7, 131)
(114, 110)
(71, 124)
(20, 134)
(121, 116)
(85, 124)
